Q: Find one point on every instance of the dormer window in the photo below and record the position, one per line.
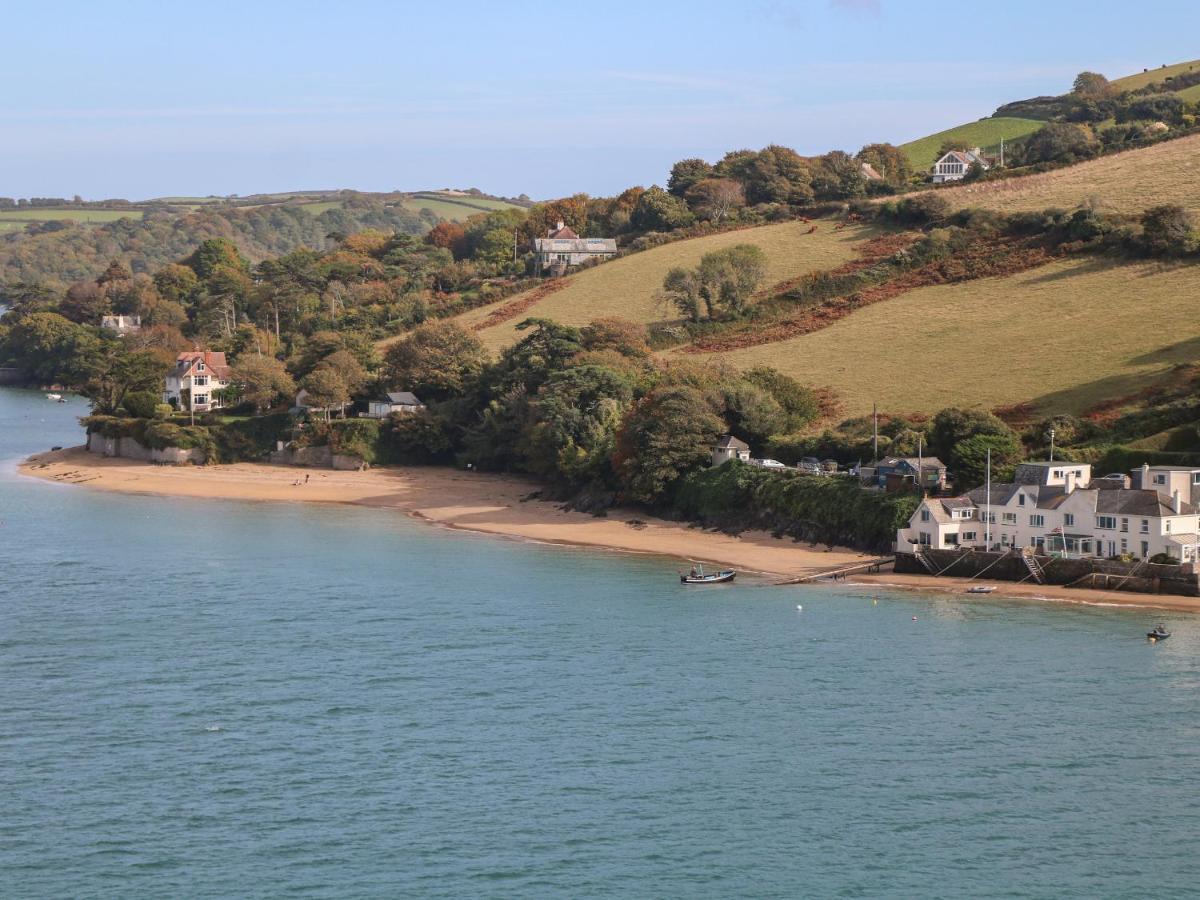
(200, 365)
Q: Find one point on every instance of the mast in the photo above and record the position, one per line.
(987, 515)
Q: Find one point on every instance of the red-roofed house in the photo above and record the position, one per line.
(199, 373)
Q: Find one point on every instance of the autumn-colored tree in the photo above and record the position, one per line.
(1092, 86)
(449, 236)
(612, 333)
(657, 210)
(685, 174)
(262, 380)
(175, 281)
(889, 161)
(715, 198)
(325, 390)
(435, 360)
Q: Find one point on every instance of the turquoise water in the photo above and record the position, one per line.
(213, 699)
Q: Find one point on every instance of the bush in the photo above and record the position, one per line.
(142, 404)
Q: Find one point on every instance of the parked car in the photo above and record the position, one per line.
(810, 465)
(768, 463)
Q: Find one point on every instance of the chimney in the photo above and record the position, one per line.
(1144, 484)
(560, 225)
(1070, 481)
(1175, 502)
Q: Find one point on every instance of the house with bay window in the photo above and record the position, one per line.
(954, 165)
(1056, 508)
(194, 382)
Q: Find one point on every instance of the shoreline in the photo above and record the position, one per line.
(503, 505)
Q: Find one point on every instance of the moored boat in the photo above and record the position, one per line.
(1158, 634)
(980, 589)
(699, 576)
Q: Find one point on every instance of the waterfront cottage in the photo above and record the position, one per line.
(893, 472)
(1057, 509)
(562, 248)
(403, 402)
(196, 380)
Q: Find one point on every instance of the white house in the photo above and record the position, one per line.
(954, 165)
(122, 325)
(197, 376)
(403, 402)
(562, 248)
(1058, 509)
(729, 447)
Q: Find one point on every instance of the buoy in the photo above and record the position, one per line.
(914, 618)
(798, 606)
(874, 601)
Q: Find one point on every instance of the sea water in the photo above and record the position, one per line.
(216, 699)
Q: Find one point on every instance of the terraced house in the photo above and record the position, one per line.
(1057, 508)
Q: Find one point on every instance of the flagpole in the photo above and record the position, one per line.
(988, 507)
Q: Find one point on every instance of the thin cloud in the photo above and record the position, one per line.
(865, 7)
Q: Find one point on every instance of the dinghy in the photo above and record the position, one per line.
(699, 576)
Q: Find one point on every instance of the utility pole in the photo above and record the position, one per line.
(1051, 445)
(921, 465)
(875, 431)
(1002, 153)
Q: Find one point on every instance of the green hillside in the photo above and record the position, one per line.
(986, 133)
(1141, 79)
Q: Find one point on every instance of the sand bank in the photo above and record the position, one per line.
(495, 504)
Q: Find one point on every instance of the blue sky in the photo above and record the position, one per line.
(140, 99)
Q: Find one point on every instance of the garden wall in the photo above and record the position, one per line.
(129, 448)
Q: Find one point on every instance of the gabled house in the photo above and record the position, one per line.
(729, 447)
(1059, 518)
(953, 166)
(562, 248)
(402, 402)
(194, 382)
(893, 472)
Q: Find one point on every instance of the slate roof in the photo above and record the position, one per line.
(1138, 503)
(729, 442)
(403, 398)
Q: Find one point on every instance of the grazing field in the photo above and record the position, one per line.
(77, 215)
(454, 210)
(1126, 182)
(1063, 336)
(317, 208)
(1190, 95)
(1141, 79)
(627, 287)
(986, 133)
(483, 203)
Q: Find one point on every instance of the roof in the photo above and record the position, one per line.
(562, 232)
(927, 462)
(966, 157)
(1127, 502)
(729, 442)
(1183, 538)
(404, 398)
(214, 361)
(575, 245)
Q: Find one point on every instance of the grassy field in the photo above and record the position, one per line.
(317, 208)
(448, 208)
(985, 133)
(1190, 95)
(1141, 79)
(465, 200)
(1063, 336)
(1126, 182)
(78, 215)
(626, 287)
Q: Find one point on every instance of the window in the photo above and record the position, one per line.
(924, 538)
(200, 366)
(1196, 478)
(1160, 479)
(200, 380)
(1058, 473)
(924, 515)
(962, 513)
(951, 540)
(1037, 521)
(1068, 519)
(200, 399)
(1145, 529)
(1109, 522)
(1168, 524)
(1010, 518)
(1124, 524)
(968, 536)
(1124, 546)
(1020, 499)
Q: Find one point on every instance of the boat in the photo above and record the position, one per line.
(699, 576)
(1158, 634)
(980, 589)
(54, 396)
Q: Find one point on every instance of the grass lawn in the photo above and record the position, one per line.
(1126, 182)
(447, 208)
(1065, 336)
(627, 287)
(985, 133)
(78, 215)
(1141, 79)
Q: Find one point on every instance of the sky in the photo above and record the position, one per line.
(134, 99)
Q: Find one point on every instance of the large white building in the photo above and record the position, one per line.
(193, 383)
(1057, 508)
(954, 165)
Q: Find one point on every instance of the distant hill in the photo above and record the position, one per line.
(67, 243)
(1020, 119)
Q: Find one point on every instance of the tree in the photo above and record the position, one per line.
(773, 175)
(665, 436)
(752, 413)
(799, 402)
(1169, 230)
(838, 176)
(612, 333)
(85, 303)
(325, 389)
(215, 254)
(1092, 86)
(174, 281)
(954, 424)
(118, 373)
(262, 379)
(716, 198)
(546, 349)
(435, 360)
(51, 348)
(682, 289)
(970, 457)
(450, 236)
(1060, 142)
(346, 364)
(116, 271)
(685, 174)
(729, 277)
(656, 210)
(889, 161)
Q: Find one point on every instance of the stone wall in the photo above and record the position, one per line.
(317, 458)
(129, 448)
(1097, 573)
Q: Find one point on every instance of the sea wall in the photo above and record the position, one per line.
(129, 448)
(1090, 573)
(317, 458)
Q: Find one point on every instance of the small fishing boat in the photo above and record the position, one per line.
(1158, 634)
(699, 576)
(54, 396)
(980, 589)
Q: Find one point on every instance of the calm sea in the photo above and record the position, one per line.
(215, 699)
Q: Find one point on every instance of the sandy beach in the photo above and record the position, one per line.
(501, 505)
